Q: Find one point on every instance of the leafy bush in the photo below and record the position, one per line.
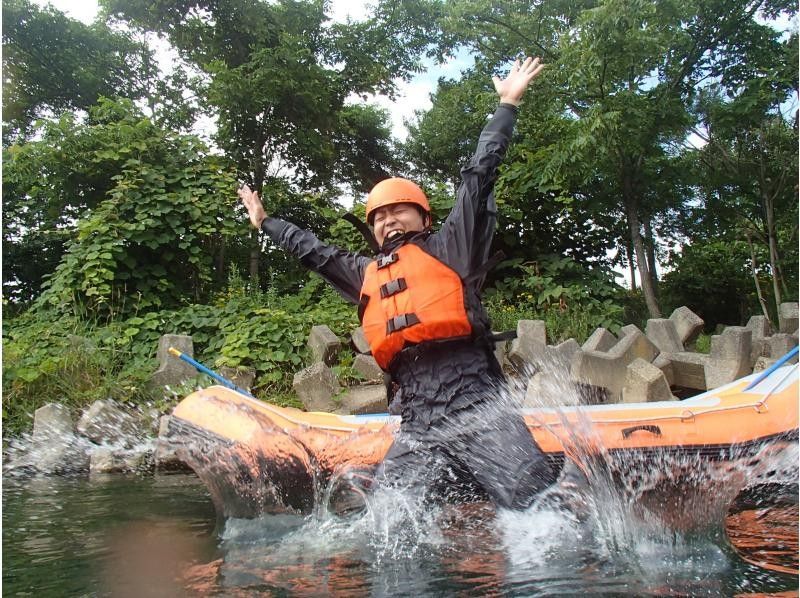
(47, 358)
(571, 299)
(55, 357)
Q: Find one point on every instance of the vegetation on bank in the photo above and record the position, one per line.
(662, 140)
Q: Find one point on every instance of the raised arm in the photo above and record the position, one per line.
(342, 269)
(466, 234)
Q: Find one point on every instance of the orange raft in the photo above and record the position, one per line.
(256, 457)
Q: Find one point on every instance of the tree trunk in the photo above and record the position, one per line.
(753, 270)
(772, 240)
(631, 263)
(219, 260)
(650, 244)
(631, 209)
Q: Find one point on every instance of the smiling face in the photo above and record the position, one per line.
(397, 219)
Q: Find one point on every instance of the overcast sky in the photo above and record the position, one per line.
(414, 95)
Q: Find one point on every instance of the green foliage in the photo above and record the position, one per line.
(51, 357)
(571, 299)
(712, 279)
(241, 328)
(151, 242)
(52, 63)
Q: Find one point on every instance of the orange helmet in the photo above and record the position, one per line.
(395, 190)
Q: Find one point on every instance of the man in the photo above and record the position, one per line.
(419, 302)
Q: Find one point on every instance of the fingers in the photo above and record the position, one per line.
(530, 66)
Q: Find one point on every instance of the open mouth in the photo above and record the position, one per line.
(392, 234)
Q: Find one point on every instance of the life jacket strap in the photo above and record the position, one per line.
(506, 335)
(387, 260)
(400, 322)
(393, 287)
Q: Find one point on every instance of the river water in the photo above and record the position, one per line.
(117, 535)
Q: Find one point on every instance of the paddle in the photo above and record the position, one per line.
(201, 368)
(772, 368)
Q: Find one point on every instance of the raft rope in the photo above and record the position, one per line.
(686, 416)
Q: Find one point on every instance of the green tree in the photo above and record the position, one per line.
(625, 73)
(149, 232)
(279, 78)
(52, 63)
(749, 173)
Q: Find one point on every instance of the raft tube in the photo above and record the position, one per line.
(256, 457)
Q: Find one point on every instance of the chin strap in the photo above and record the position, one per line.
(364, 230)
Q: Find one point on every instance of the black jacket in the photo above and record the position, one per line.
(435, 378)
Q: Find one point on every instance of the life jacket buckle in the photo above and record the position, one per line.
(400, 322)
(393, 287)
(387, 260)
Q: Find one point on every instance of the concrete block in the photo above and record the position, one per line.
(607, 370)
(560, 356)
(550, 389)
(787, 317)
(52, 420)
(166, 456)
(644, 383)
(664, 363)
(688, 324)
(241, 377)
(324, 345)
(600, 340)
(759, 348)
(358, 400)
(664, 334)
(109, 460)
(528, 348)
(761, 330)
(762, 363)
(104, 422)
(60, 455)
(368, 367)
(632, 344)
(688, 369)
(730, 356)
(759, 326)
(780, 344)
(316, 386)
(359, 341)
(171, 370)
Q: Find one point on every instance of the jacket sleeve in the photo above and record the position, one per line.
(464, 239)
(343, 270)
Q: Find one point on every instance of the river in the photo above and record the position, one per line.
(127, 535)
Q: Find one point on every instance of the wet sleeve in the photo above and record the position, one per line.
(342, 269)
(466, 235)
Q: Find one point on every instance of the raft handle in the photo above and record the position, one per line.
(647, 428)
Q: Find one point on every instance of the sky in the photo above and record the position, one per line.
(412, 95)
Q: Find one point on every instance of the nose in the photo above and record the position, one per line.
(390, 219)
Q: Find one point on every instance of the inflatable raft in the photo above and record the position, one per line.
(256, 457)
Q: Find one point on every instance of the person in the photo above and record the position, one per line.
(420, 308)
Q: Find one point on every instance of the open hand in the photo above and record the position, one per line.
(251, 201)
(512, 88)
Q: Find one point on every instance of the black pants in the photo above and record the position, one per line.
(476, 452)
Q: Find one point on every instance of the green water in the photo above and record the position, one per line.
(158, 536)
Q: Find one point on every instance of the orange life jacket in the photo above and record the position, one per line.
(409, 296)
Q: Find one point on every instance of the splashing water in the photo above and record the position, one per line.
(621, 522)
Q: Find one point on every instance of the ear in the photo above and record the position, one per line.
(426, 219)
